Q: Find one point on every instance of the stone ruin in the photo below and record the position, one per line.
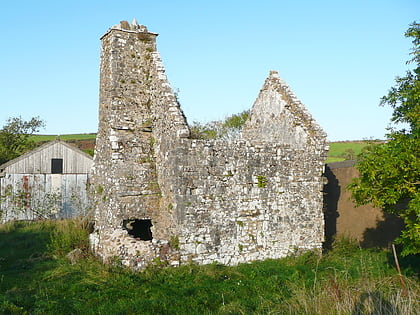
(161, 196)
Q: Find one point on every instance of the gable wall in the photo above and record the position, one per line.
(39, 161)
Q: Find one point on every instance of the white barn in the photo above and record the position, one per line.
(50, 181)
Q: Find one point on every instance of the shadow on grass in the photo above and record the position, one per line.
(22, 247)
(21, 239)
(373, 303)
(23, 257)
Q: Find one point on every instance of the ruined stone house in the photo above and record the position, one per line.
(160, 195)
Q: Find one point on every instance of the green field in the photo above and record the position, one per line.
(36, 278)
(338, 148)
(82, 136)
(340, 151)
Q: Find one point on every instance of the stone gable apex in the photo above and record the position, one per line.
(279, 116)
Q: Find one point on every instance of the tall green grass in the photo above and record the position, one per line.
(36, 278)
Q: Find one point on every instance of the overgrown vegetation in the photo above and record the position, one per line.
(36, 278)
(227, 129)
(390, 173)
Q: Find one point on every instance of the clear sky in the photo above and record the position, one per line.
(339, 57)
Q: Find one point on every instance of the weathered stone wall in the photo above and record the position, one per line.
(255, 198)
(278, 116)
(238, 202)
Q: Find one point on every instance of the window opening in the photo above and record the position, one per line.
(56, 166)
(139, 228)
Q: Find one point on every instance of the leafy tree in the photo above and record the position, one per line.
(227, 129)
(390, 172)
(15, 137)
(203, 131)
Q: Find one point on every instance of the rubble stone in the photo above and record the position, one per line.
(253, 198)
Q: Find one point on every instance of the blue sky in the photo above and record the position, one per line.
(339, 57)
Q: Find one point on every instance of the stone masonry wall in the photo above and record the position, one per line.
(278, 116)
(237, 202)
(254, 198)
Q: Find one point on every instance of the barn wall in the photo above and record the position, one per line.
(29, 191)
(39, 161)
(35, 196)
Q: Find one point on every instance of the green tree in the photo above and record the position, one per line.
(205, 131)
(15, 137)
(227, 129)
(390, 172)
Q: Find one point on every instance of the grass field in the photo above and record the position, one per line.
(36, 278)
(339, 148)
(82, 136)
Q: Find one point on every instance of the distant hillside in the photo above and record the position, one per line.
(81, 136)
(345, 150)
(84, 141)
(339, 151)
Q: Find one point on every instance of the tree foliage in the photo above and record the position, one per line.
(390, 172)
(15, 137)
(227, 129)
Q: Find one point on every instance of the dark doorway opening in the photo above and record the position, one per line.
(139, 228)
(56, 166)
